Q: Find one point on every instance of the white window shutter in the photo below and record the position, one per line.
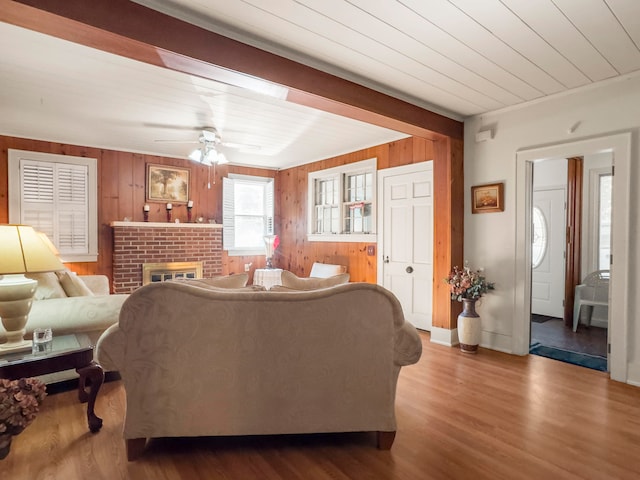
(55, 201)
(73, 234)
(38, 198)
(228, 223)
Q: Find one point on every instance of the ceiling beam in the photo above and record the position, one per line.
(137, 32)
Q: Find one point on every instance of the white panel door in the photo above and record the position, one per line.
(407, 247)
(547, 283)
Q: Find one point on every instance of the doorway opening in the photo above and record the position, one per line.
(619, 145)
(571, 215)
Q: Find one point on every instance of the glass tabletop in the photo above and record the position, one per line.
(61, 345)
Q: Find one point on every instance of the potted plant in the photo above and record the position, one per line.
(19, 404)
(467, 286)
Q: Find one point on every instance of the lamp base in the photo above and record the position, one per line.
(16, 347)
(16, 297)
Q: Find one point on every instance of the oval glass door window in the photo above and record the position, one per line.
(540, 237)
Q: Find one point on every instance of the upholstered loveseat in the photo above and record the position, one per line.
(72, 304)
(199, 361)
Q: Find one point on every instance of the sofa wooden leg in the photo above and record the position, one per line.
(385, 440)
(135, 447)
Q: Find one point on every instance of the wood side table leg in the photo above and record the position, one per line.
(95, 374)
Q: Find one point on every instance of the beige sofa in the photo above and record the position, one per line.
(201, 361)
(72, 304)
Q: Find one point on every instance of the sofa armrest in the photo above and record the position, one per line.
(408, 346)
(109, 351)
(98, 284)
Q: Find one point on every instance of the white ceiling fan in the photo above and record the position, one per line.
(209, 153)
(210, 137)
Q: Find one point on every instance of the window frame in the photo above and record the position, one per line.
(593, 234)
(15, 157)
(228, 213)
(341, 172)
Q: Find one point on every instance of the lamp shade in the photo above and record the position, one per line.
(24, 251)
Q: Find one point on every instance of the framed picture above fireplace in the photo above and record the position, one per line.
(166, 183)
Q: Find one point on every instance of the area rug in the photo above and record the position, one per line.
(582, 359)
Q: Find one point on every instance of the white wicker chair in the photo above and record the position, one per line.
(593, 291)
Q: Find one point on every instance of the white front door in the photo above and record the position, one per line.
(406, 250)
(547, 283)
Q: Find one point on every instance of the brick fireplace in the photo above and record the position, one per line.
(139, 243)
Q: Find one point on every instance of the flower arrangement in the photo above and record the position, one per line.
(467, 284)
(19, 402)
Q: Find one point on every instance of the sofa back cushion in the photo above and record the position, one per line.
(291, 281)
(48, 286)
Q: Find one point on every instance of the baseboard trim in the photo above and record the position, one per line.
(444, 336)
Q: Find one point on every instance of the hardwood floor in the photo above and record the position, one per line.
(460, 416)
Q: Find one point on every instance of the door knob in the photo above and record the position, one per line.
(409, 269)
(386, 259)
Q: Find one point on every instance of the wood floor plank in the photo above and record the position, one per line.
(485, 416)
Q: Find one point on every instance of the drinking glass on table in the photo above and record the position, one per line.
(42, 341)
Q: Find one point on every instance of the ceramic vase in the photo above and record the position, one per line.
(469, 327)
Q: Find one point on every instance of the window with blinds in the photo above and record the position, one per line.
(247, 213)
(54, 196)
(342, 203)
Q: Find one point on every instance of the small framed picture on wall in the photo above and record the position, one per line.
(487, 198)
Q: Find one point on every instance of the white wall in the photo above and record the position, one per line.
(491, 239)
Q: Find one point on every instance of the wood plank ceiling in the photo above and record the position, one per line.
(455, 57)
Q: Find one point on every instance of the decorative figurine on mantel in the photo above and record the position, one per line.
(169, 208)
(145, 211)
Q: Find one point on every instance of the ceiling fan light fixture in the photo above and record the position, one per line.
(211, 156)
(196, 155)
(221, 159)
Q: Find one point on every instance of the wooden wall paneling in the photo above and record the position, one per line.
(139, 182)
(448, 227)
(401, 152)
(122, 162)
(108, 209)
(422, 149)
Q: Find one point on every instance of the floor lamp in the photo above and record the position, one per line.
(22, 251)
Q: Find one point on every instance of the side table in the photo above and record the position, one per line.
(68, 352)
(267, 277)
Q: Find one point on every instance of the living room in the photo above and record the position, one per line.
(518, 137)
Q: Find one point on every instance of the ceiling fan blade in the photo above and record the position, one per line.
(176, 141)
(242, 146)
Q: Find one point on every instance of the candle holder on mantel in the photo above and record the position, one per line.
(189, 207)
(145, 211)
(169, 209)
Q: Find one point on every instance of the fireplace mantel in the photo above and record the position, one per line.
(164, 224)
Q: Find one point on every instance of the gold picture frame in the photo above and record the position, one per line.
(487, 198)
(166, 183)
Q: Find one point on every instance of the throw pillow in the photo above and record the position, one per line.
(48, 286)
(291, 280)
(73, 285)
(236, 280)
